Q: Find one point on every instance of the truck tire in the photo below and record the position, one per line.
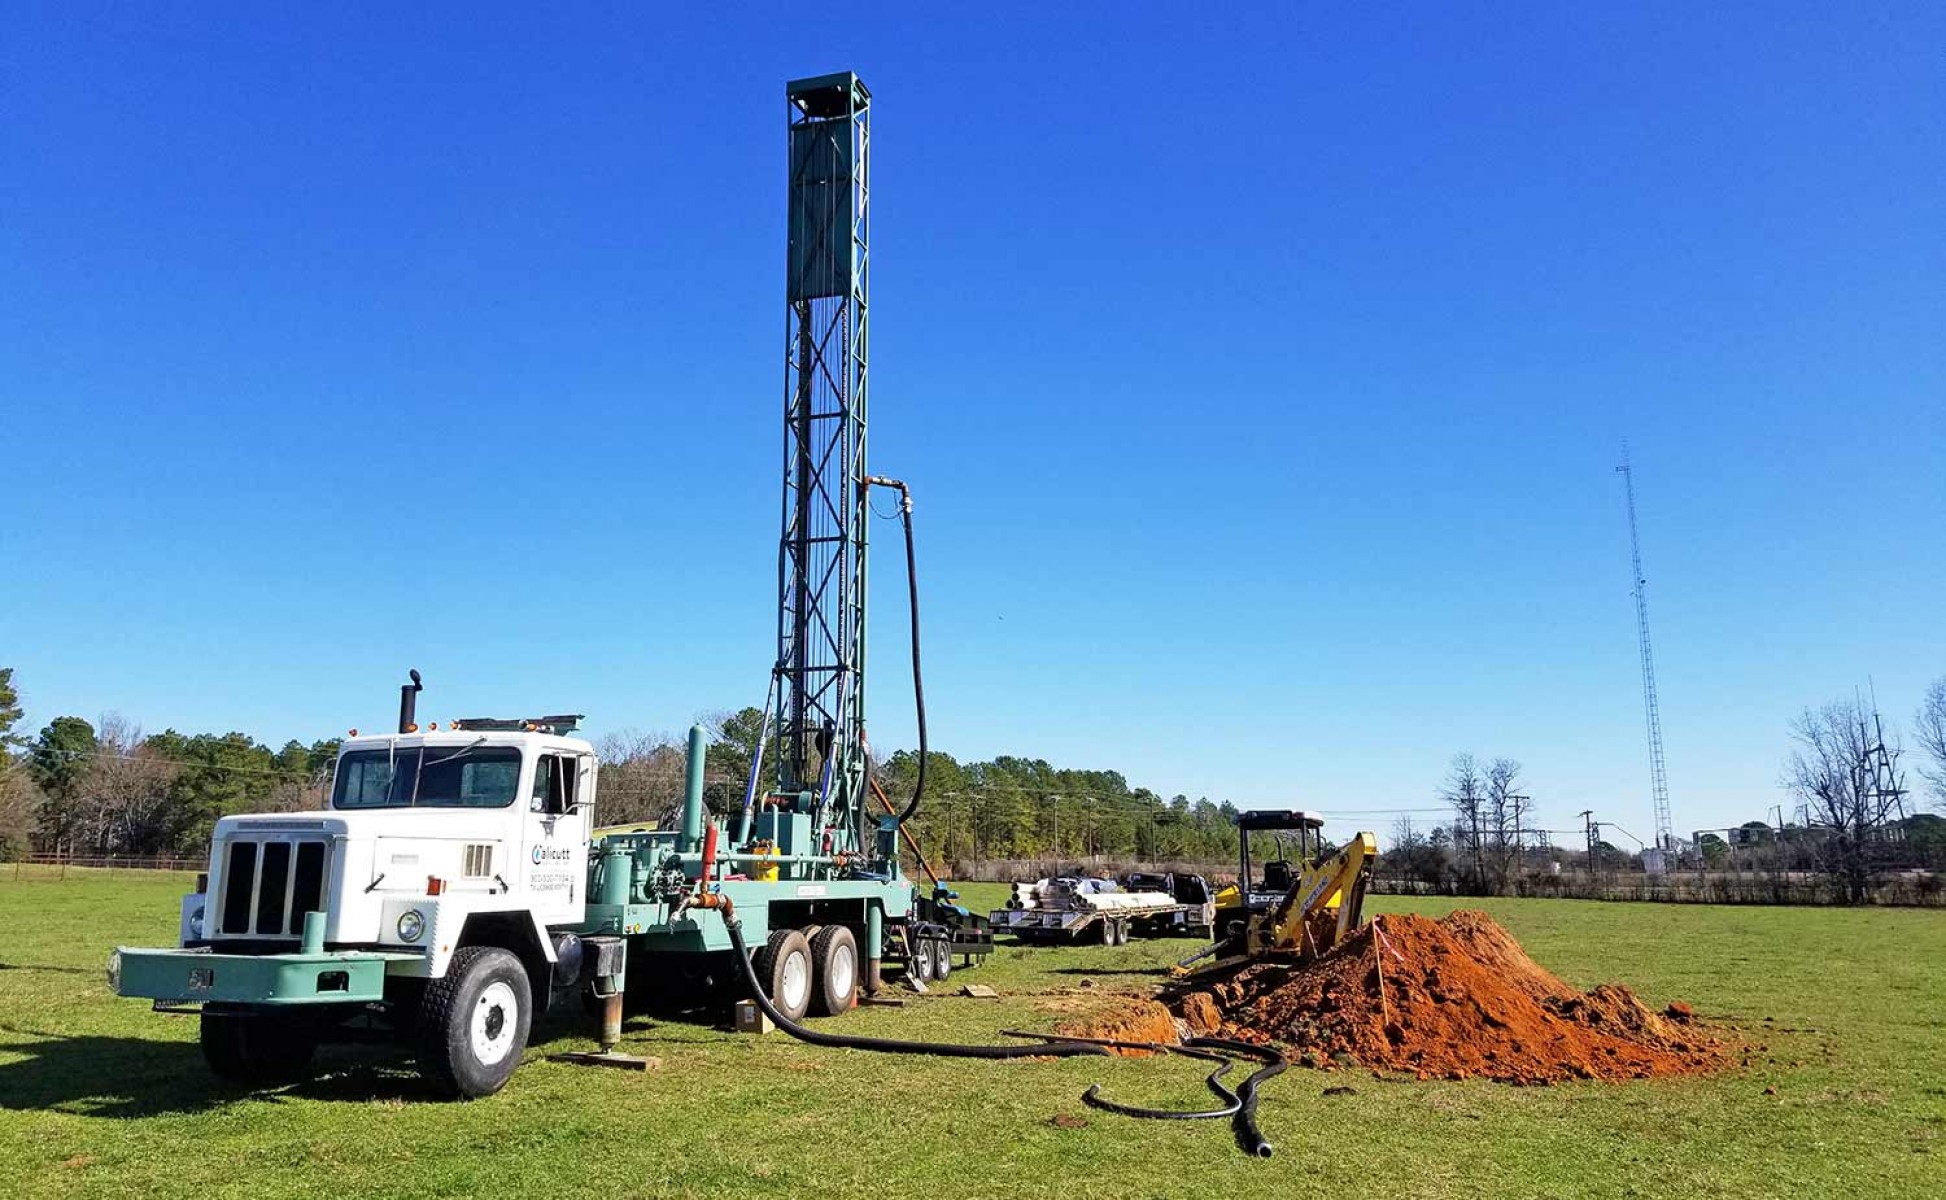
(248, 1048)
(784, 968)
(942, 957)
(473, 1023)
(834, 951)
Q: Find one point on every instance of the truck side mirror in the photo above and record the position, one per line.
(567, 783)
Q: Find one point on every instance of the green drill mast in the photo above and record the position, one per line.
(817, 689)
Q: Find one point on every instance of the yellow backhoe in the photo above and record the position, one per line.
(1303, 902)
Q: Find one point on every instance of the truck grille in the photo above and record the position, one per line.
(477, 860)
(269, 886)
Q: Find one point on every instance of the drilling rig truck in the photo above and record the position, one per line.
(456, 887)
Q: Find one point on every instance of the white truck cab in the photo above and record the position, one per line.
(438, 892)
(424, 832)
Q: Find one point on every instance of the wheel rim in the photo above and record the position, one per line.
(796, 984)
(843, 971)
(496, 1018)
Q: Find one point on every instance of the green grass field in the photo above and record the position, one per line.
(101, 1097)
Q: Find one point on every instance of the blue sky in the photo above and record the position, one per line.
(1260, 377)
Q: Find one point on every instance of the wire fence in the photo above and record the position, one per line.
(1902, 889)
(57, 865)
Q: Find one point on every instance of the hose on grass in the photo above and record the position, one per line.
(1249, 1137)
(1240, 1105)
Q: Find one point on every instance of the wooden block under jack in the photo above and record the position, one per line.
(751, 1019)
(608, 1058)
(979, 991)
(884, 1001)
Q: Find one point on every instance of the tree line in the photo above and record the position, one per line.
(105, 787)
(1005, 807)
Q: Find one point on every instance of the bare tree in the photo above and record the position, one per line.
(123, 800)
(1414, 855)
(298, 793)
(1406, 835)
(1465, 790)
(1848, 780)
(1506, 812)
(1929, 726)
(641, 778)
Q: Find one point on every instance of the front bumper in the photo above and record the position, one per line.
(331, 977)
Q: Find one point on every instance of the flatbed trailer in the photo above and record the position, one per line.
(1112, 928)
(1180, 906)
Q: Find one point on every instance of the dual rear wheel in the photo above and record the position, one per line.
(810, 975)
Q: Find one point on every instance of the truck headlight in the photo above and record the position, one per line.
(412, 925)
(196, 923)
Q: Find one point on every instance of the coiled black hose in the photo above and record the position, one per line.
(1244, 1111)
(1092, 1097)
(1249, 1137)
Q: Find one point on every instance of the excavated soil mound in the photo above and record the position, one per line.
(1131, 1020)
(1453, 998)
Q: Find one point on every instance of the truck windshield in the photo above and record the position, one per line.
(428, 777)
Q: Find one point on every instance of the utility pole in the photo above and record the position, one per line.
(1593, 832)
(1520, 803)
(1658, 778)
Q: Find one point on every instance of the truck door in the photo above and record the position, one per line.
(555, 861)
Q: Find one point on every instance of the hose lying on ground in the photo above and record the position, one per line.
(1248, 1135)
(1092, 1097)
(1243, 1111)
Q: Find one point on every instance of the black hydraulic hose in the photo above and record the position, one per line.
(918, 680)
(1092, 1097)
(912, 598)
(1249, 1137)
(1066, 1048)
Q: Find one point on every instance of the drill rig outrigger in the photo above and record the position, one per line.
(1299, 907)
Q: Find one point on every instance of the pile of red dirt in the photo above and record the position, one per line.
(1454, 999)
(1130, 1021)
